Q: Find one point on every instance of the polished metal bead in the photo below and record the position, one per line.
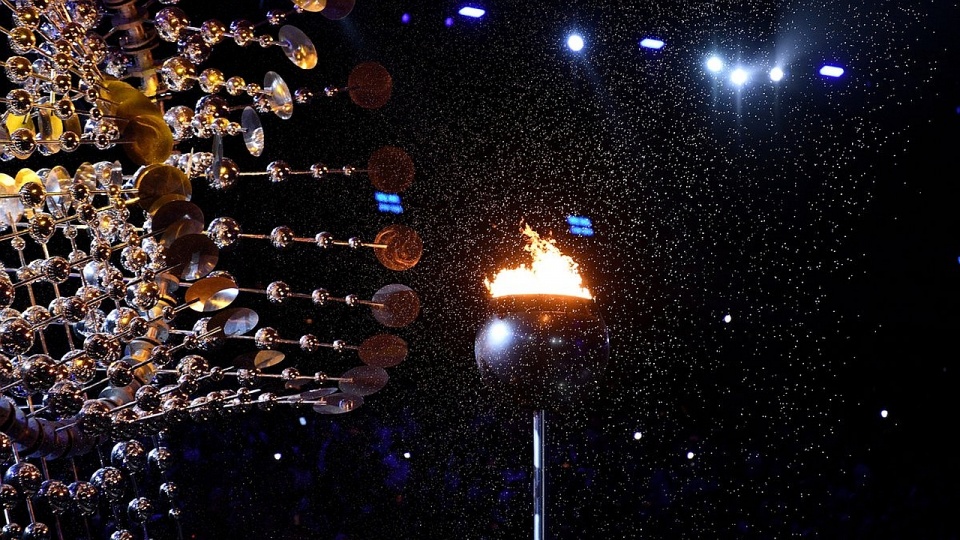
(24, 476)
(266, 338)
(324, 239)
(224, 232)
(281, 237)
(161, 458)
(57, 495)
(94, 417)
(104, 348)
(37, 531)
(85, 496)
(278, 291)
(148, 397)
(309, 343)
(16, 336)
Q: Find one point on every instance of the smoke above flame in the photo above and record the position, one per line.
(550, 272)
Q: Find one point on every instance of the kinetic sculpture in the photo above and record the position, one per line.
(112, 308)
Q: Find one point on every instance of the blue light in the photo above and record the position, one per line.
(448, 22)
(382, 197)
(575, 42)
(579, 221)
(831, 71)
(776, 74)
(651, 43)
(468, 11)
(388, 208)
(405, 18)
(581, 231)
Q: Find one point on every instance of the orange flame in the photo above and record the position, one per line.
(551, 272)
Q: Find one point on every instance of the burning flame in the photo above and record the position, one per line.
(551, 272)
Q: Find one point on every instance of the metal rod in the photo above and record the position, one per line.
(539, 475)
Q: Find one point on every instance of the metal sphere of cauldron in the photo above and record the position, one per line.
(542, 351)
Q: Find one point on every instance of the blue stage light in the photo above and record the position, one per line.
(776, 74)
(575, 42)
(831, 71)
(714, 64)
(651, 43)
(405, 18)
(474, 12)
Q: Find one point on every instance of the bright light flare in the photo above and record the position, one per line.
(739, 76)
(714, 64)
(651, 43)
(776, 74)
(831, 71)
(474, 12)
(550, 272)
(575, 42)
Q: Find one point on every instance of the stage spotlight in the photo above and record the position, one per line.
(474, 12)
(637, 436)
(831, 71)
(651, 43)
(714, 64)
(575, 42)
(405, 18)
(776, 74)
(739, 76)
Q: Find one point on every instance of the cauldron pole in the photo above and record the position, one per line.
(545, 353)
(539, 475)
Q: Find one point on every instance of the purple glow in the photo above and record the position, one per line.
(448, 22)
(474, 12)
(651, 43)
(405, 18)
(831, 71)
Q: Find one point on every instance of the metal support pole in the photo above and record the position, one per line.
(539, 475)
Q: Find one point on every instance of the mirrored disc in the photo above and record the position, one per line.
(364, 380)
(338, 404)
(193, 256)
(313, 6)
(337, 9)
(180, 228)
(281, 100)
(390, 169)
(161, 180)
(370, 85)
(317, 393)
(383, 350)
(404, 247)
(216, 165)
(401, 306)
(148, 139)
(211, 294)
(297, 46)
(57, 183)
(174, 211)
(258, 359)
(234, 322)
(252, 131)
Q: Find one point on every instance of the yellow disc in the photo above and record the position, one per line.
(148, 139)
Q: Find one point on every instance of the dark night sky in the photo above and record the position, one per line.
(818, 214)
